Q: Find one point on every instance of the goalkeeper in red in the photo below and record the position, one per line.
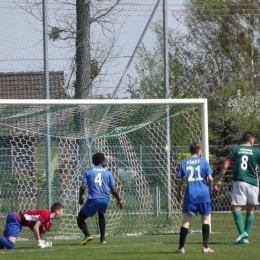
(245, 159)
(38, 220)
(99, 181)
(197, 172)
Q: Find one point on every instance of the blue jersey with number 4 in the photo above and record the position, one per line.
(99, 181)
(196, 171)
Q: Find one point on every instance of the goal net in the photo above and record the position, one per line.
(46, 145)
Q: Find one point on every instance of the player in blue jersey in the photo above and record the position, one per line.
(197, 172)
(99, 181)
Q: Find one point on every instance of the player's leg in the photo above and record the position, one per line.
(204, 210)
(183, 233)
(249, 217)
(82, 224)
(103, 204)
(12, 228)
(83, 227)
(187, 210)
(252, 201)
(184, 228)
(238, 218)
(239, 199)
(7, 243)
(102, 227)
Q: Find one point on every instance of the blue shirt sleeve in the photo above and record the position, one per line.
(209, 170)
(181, 173)
(111, 180)
(84, 179)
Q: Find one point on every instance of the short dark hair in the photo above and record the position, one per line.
(56, 206)
(195, 147)
(98, 158)
(247, 136)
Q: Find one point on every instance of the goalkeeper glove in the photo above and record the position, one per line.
(43, 244)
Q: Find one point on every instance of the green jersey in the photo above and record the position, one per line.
(245, 159)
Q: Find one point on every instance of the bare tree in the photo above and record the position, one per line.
(72, 23)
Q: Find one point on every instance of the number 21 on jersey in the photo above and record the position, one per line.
(195, 173)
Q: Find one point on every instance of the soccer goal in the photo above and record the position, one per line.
(46, 145)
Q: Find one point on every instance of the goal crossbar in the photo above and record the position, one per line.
(100, 101)
(201, 101)
(50, 142)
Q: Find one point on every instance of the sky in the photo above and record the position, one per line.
(22, 45)
(174, 6)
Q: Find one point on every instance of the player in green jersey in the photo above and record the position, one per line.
(245, 159)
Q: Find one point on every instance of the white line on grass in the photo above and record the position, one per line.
(76, 247)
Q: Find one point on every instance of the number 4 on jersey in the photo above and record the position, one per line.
(98, 179)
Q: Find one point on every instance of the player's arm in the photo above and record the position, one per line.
(222, 172)
(36, 231)
(81, 192)
(210, 182)
(116, 195)
(179, 185)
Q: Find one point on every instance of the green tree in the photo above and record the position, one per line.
(72, 23)
(218, 55)
(214, 57)
(223, 137)
(149, 82)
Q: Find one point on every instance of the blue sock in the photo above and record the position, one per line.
(4, 242)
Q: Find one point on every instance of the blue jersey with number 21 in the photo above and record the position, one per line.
(99, 181)
(196, 170)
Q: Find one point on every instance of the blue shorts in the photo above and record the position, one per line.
(194, 209)
(95, 205)
(12, 226)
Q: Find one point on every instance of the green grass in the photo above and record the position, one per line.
(147, 247)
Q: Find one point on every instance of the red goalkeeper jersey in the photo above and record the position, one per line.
(43, 215)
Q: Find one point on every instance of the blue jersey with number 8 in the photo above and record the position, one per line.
(99, 181)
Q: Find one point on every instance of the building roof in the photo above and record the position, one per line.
(30, 85)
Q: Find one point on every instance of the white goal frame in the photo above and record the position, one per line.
(166, 102)
(203, 102)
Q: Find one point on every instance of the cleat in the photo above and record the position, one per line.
(86, 240)
(207, 250)
(179, 251)
(241, 237)
(102, 240)
(243, 241)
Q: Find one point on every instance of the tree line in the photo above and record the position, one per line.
(216, 57)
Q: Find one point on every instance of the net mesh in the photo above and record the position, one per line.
(115, 36)
(46, 149)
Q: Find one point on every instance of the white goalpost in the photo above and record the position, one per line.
(49, 144)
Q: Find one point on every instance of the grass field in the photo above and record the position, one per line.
(148, 247)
